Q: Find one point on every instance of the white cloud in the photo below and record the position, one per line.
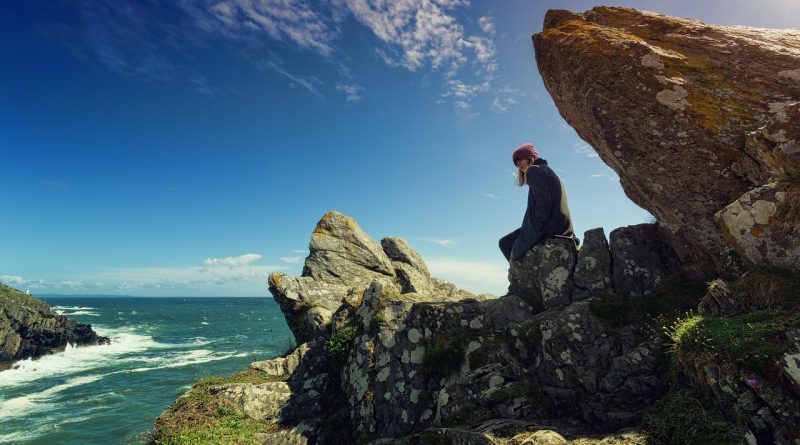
(474, 276)
(233, 261)
(300, 251)
(441, 242)
(491, 196)
(290, 259)
(609, 176)
(12, 279)
(352, 92)
(290, 21)
(497, 105)
(487, 24)
(584, 149)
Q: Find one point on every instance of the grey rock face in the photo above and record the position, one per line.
(641, 260)
(544, 275)
(397, 249)
(308, 304)
(776, 145)
(593, 267)
(763, 226)
(341, 251)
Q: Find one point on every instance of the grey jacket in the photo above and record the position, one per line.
(547, 213)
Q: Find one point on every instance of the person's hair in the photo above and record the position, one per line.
(521, 177)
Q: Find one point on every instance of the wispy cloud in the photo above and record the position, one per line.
(474, 276)
(584, 149)
(352, 91)
(161, 41)
(290, 259)
(601, 175)
(491, 196)
(233, 261)
(441, 242)
(310, 83)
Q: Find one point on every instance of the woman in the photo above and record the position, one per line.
(547, 214)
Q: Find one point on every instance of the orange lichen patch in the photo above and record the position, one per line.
(275, 279)
(596, 36)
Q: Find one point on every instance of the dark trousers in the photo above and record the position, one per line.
(507, 242)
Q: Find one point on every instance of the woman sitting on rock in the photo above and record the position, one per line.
(547, 214)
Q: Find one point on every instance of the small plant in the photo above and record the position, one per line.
(340, 343)
(444, 354)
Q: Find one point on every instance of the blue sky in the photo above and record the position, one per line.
(189, 148)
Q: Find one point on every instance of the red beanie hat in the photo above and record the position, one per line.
(525, 151)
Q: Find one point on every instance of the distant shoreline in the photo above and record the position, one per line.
(44, 296)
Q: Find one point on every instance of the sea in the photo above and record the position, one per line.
(112, 394)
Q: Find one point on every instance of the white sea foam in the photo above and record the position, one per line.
(204, 322)
(19, 406)
(77, 359)
(81, 312)
(185, 359)
(72, 308)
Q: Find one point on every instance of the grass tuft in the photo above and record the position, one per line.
(681, 418)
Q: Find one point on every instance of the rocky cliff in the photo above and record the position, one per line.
(700, 122)
(589, 345)
(29, 329)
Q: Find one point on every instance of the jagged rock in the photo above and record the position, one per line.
(641, 260)
(667, 102)
(776, 145)
(575, 356)
(340, 251)
(763, 226)
(720, 300)
(409, 267)
(544, 275)
(593, 267)
(304, 362)
(308, 304)
(29, 329)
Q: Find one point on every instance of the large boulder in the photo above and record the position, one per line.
(667, 103)
(340, 251)
(543, 276)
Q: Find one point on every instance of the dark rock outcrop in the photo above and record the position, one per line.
(690, 116)
(29, 329)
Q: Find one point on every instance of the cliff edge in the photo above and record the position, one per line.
(29, 329)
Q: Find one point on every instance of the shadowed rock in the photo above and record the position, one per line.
(641, 260)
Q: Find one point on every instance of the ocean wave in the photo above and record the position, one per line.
(77, 359)
(186, 359)
(81, 312)
(72, 308)
(19, 406)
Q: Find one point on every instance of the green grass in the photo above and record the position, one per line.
(750, 342)
(199, 417)
(681, 418)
